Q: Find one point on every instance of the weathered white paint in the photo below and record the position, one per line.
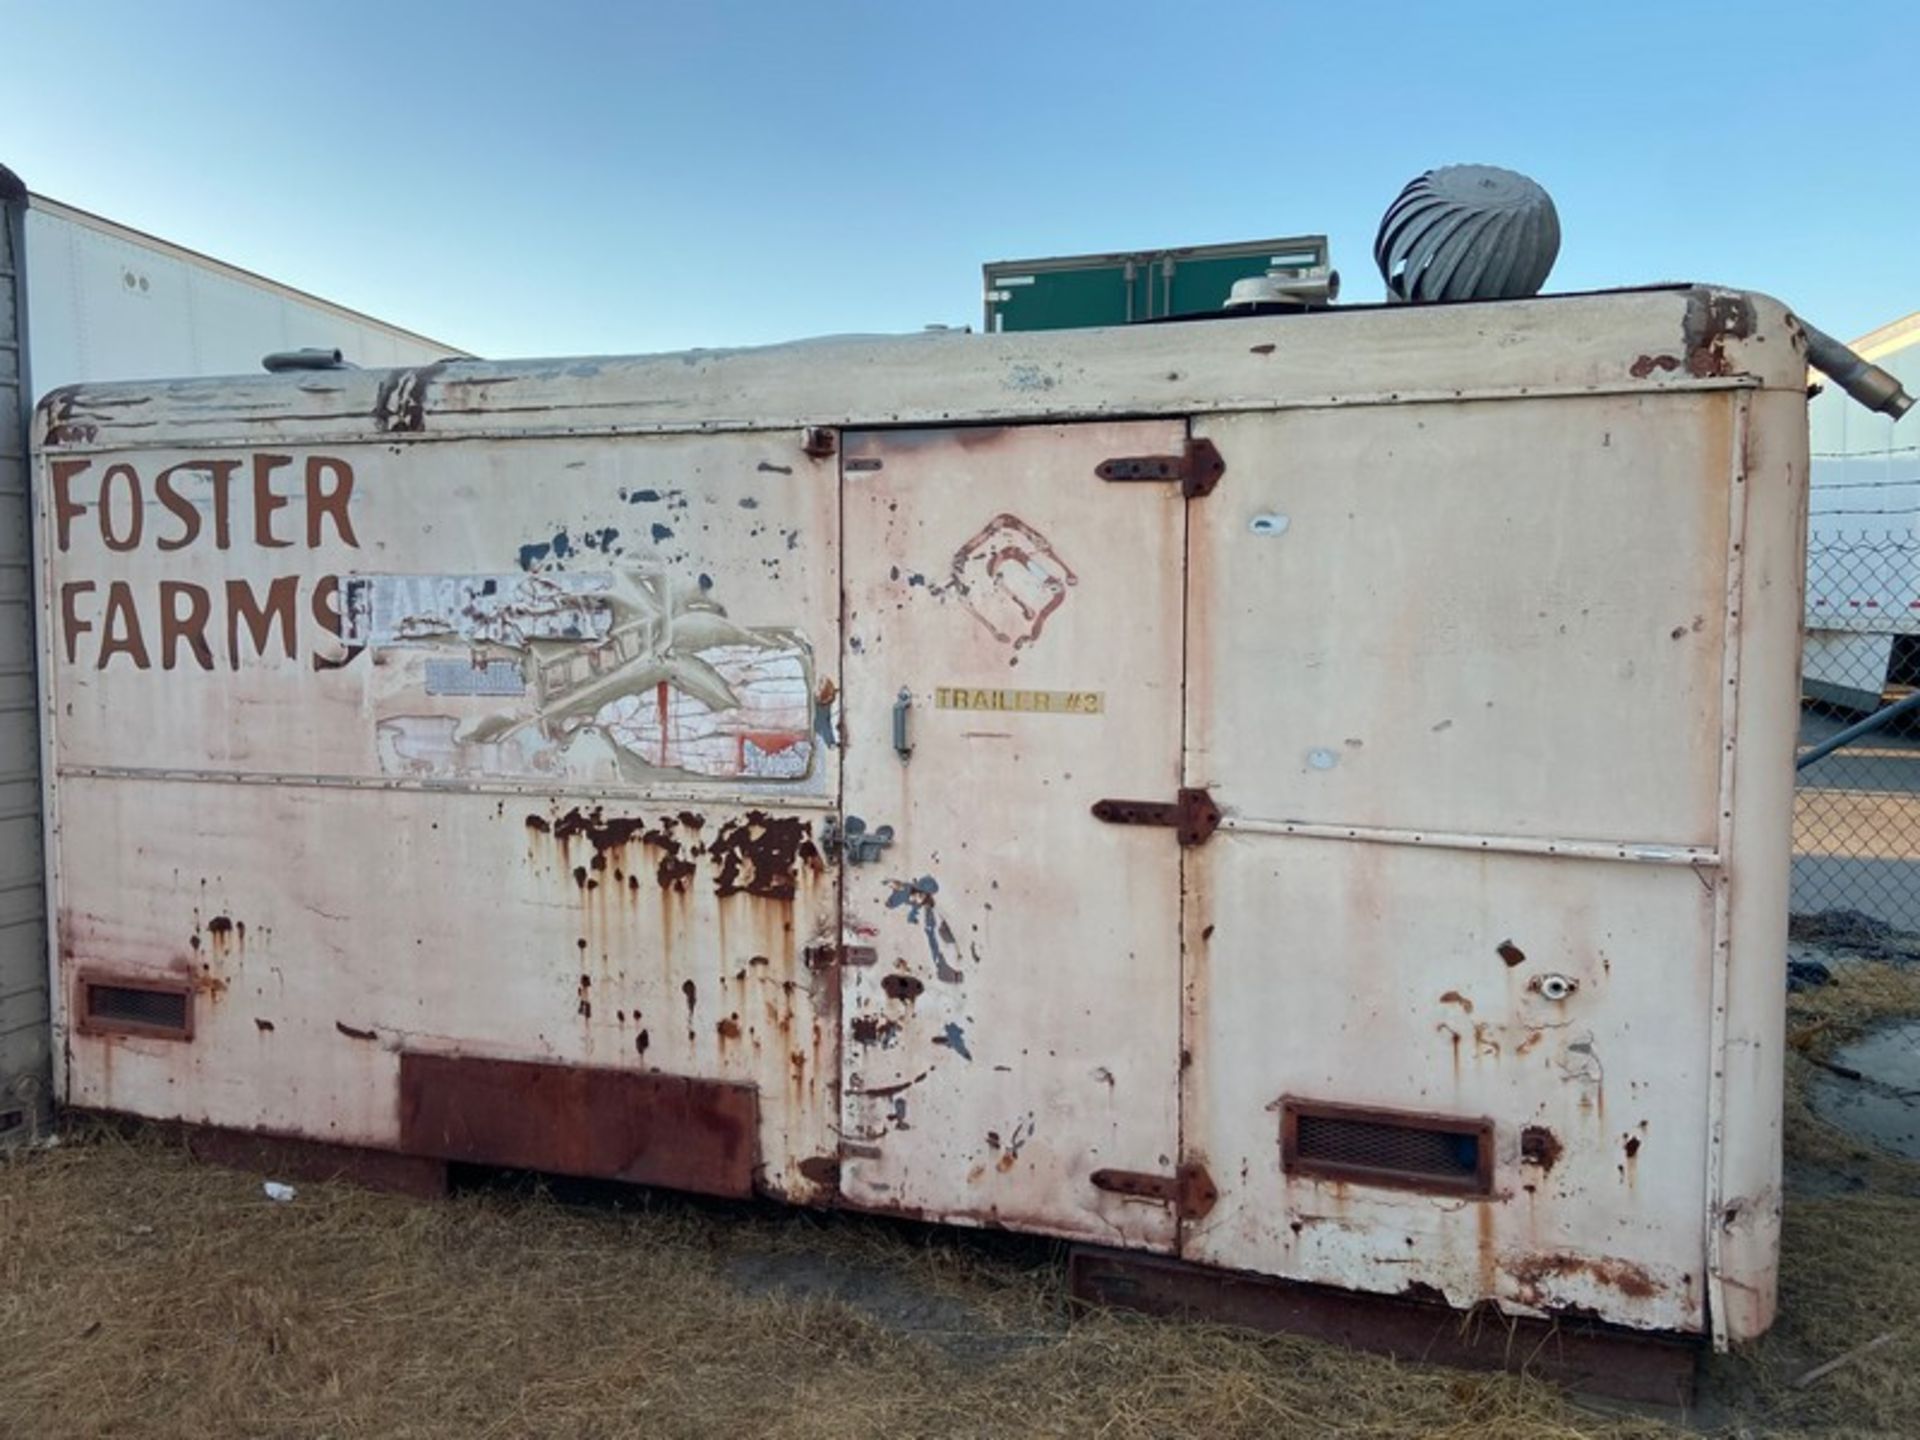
(1518, 674)
(1016, 1031)
(1397, 356)
(111, 303)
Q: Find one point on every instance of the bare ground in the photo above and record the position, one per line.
(144, 1295)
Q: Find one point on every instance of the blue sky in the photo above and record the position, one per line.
(561, 178)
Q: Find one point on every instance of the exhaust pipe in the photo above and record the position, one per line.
(1869, 384)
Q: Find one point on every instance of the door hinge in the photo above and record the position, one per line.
(1189, 1190)
(1192, 814)
(1198, 468)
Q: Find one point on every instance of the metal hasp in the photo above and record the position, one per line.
(852, 839)
(1579, 1353)
(1192, 814)
(1189, 1190)
(1198, 468)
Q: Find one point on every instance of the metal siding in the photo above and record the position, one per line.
(1389, 955)
(1744, 1199)
(1402, 618)
(1017, 1028)
(24, 1089)
(109, 305)
(625, 894)
(1416, 909)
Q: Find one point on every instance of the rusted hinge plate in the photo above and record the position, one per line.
(1192, 814)
(1198, 468)
(1189, 1190)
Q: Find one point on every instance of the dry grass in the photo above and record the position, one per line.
(141, 1294)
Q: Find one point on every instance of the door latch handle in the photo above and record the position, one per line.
(853, 841)
(902, 742)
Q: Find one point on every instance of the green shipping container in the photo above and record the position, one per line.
(1066, 292)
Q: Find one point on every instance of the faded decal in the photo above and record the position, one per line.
(630, 675)
(1011, 579)
(1035, 702)
(510, 610)
(470, 677)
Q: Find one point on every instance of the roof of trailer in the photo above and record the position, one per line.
(1685, 337)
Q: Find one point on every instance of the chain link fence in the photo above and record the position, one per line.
(1857, 810)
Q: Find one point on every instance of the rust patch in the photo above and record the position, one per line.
(1629, 1364)
(1712, 320)
(265, 1026)
(62, 428)
(1536, 1274)
(1511, 953)
(821, 1170)
(648, 1129)
(1540, 1146)
(1647, 364)
(1632, 1146)
(608, 834)
(1454, 997)
(400, 404)
(903, 988)
(873, 1030)
(729, 1028)
(761, 854)
(1189, 1190)
(353, 1034)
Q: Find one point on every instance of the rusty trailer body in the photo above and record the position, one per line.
(1301, 796)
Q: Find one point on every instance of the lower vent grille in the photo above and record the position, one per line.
(119, 1008)
(1387, 1147)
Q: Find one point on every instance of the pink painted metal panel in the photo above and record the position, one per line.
(544, 780)
(1395, 952)
(1474, 618)
(1016, 1031)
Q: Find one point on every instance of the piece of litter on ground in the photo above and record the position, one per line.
(1821, 1371)
(141, 1230)
(276, 1191)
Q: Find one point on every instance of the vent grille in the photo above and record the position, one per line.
(162, 1010)
(1387, 1147)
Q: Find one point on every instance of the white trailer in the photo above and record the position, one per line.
(85, 299)
(1863, 539)
(1300, 799)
